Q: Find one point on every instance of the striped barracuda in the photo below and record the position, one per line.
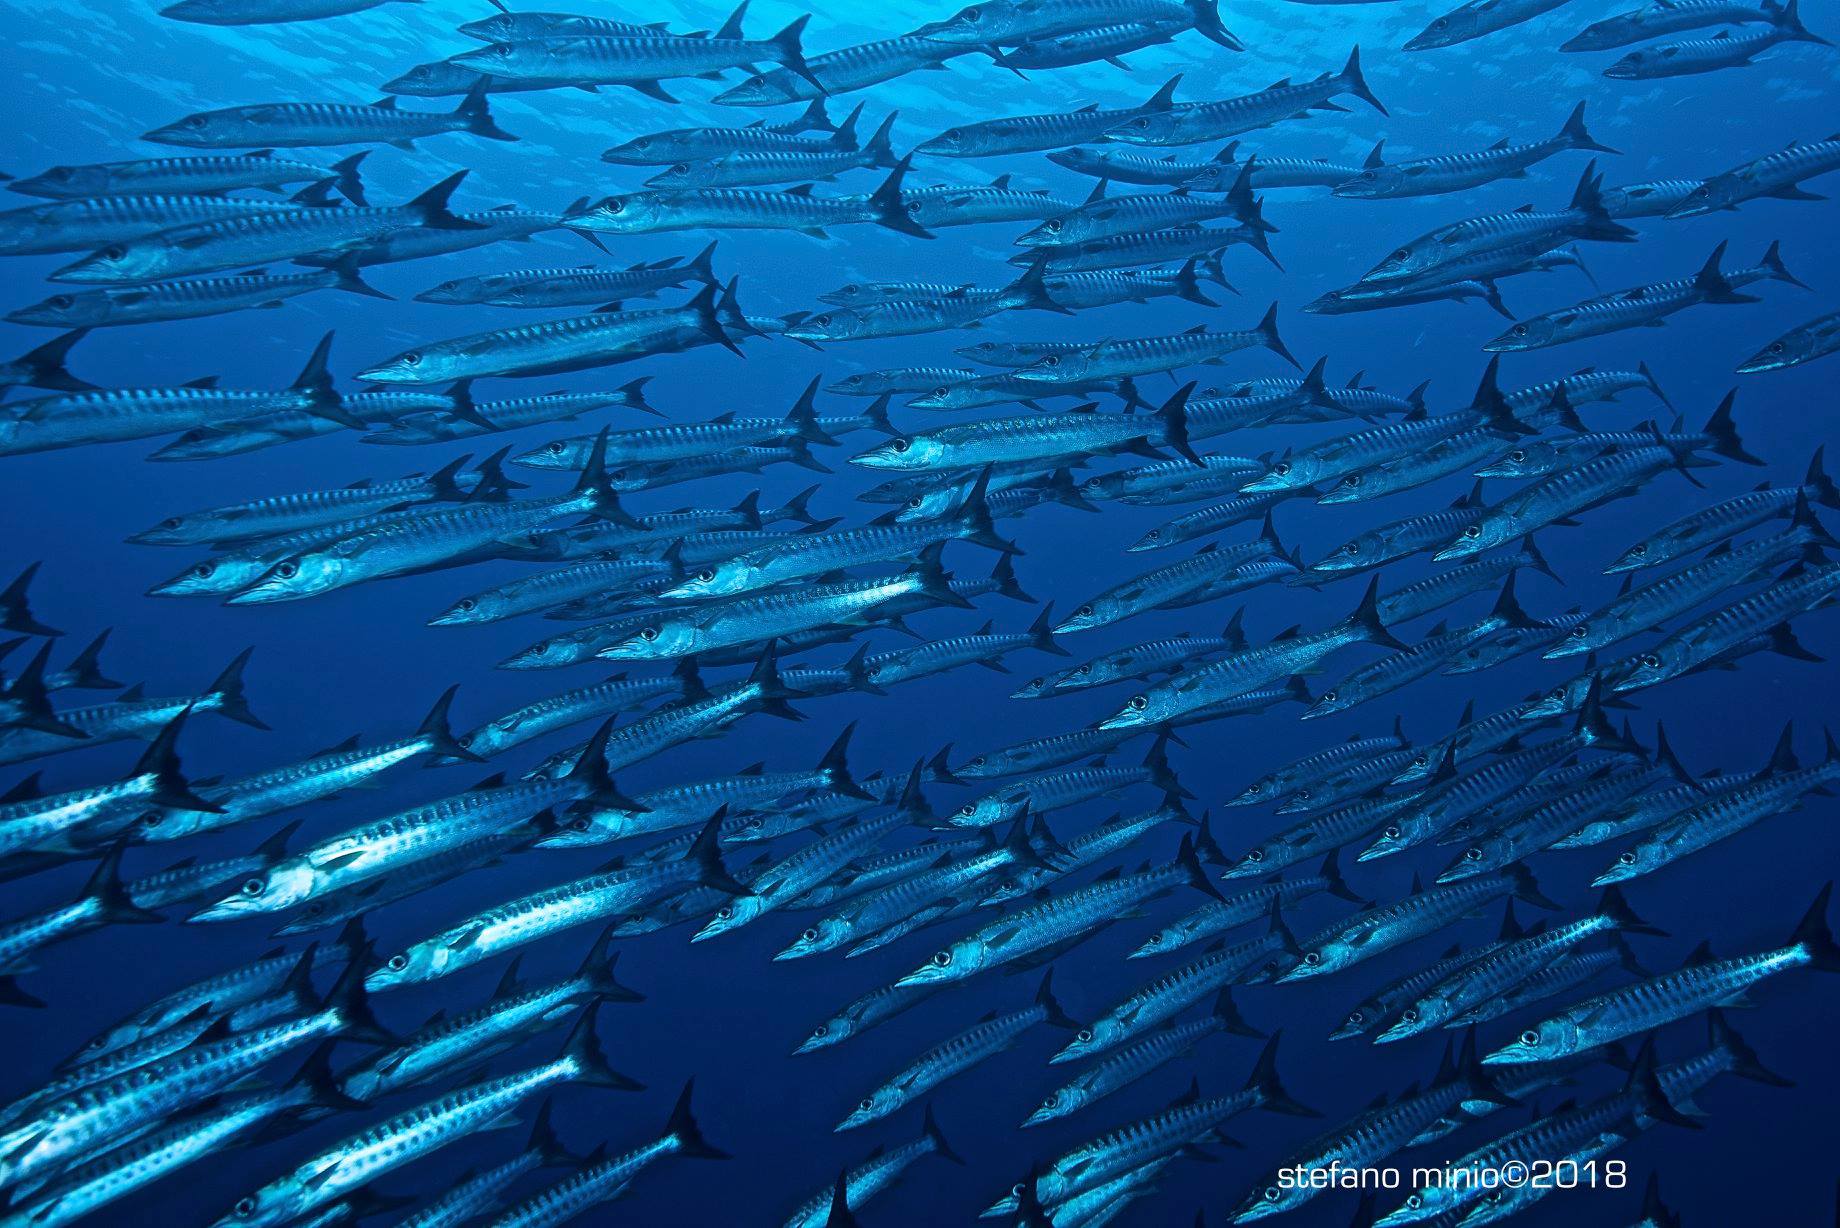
(1132, 1062)
(327, 123)
(1195, 122)
(597, 897)
(956, 1054)
(262, 238)
(85, 224)
(1654, 20)
(1729, 517)
(584, 286)
(640, 60)
(841, 71)
(1247, 906)
(1702, 983)
(1723, 50)
(704, 144)
(1150, 355)
(749, 209)
(1103, 216)
(1036, 438)
(1731, 628)
(1028, 133)
(753, 168)
(1805, 343)
(1460, 172)
(354, 1161)
(208, 173)
(476, 1195)
(880, 1171)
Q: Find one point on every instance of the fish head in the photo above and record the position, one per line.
(583, 827)
(421, 366)
(660, 639)
(557, 650)
(425, 961)
(1635, 65)
(1718, 192)
(159, 823)
(1351, 555)
(1478, 536)
(209, 128)
(989, 811)
(1056, 1104)
(931, 504)
(1069, 228)
(963, 958)
(483, 608)
(1399, 834)
(1532, 459)
(279, 1202)
(304, 575)
(275, 889)
(1584, 636)
(828, 326)
(1445, 31)
(877, 1104)
(651, 150)
(1658, 664)
(1485, 856)
(556, 454)
(1058, 368)
(1085, 674)
(428, 80)
(629, 214)
(1034, 688)
(65, 182)
(825, 934)
(1357, 1022)
(1427, 1203)
(1373, 182)
(1286, 473)
(975, 25)
(495, 59)
(687, 174)
(735, 913)
(1642, 554)
(1540, 1042)
(82, 310)
(1606, 34)
(724, 579)
(1526, 335)
(1279, 1192)
(1316, 961)
(1402, 262)
(211, 577)
(765, 90)
(1095, 1037)
(1335, 699)
(902, 452)
(461, 290)
(1648, 856)
(183, 530)
(830, 1032)
(1785, 351)
(132, 260)
(1099, 612)
(849, 296)
(942, 397)
(1149, 128)
(995, 353)
(499, 28)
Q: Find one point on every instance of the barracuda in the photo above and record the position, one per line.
(85, 224)
(1583, 218)
(1729, 517)
(1158, 247)
(88, 1119)
(811, 865)
(1173, 481)
(110, 416)
(1167, 585)
(1036, 438)
(1319, 833)
(1731, 628)
(1218, 968)
(511, 27)
(263, 238)
(394, 546)
(513, 1014)
(880, 1171)
(638, 59)
(1656, 603)
(839, 72)
(1093, 846)
(1039, 794)
(1102, 216)
(354, 1161)
(485, 1191)
(1387, 1001)
(701, 144)
(1776, 790)
(469, 419)
(1810, 341)
(1643, 306)
(86, 1188)
(185, 176)
(1005, 388)
(571, 707)
(957, 1054)
(1450, 797)
(1703, 983)
(1028, 133)
(1027, 21)
(1186, 1122)
(378, 848)
(686, 440)
(1267, 173)
(601, 1180)
(1382, 1130)
(1723, 50)
(1193, 123)
(1150, 355)
(1248, 669)
(1460, 172)
(295, 124)
(1423, 659)
(1421, 597)
(583, 286)
(1145, 660)
(1059, 919)
(962, 307)
(753, 168)
(597, 897)
(577, 343)
(1108, 43)
(1654, 20)
(1425, 911)
(1132, 1062)
(1561, 495)
(1502, 969)
(347, 905)
(749, 209)
(1565, 975)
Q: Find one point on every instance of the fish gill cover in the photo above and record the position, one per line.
(1069, 612)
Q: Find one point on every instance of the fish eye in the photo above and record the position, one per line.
(937, 392)
(679, 168)
(1369, 175)
(287, 571)
(725, 913)
(968, 810)
(1650, 661)
(1313, 958)
(1052, 225)
(866, 1105)
(1038, 682)
(1409, 1015)
(1440, 23)
(954, 134)
(901, 445)
(1138, 703)
(812, 936)
(648, 634)
(171, 522)
(1517, 455)
(1271, 1193)
(1415, 1202)
(413, 358)
(823, 1029)
(917, 502)
(194, 121)
(399, 963)
(1353, 479)
(1530, 1037)
(1054, 1098)
(1282, 468)
(977, 762)
(614, 204)
(1473, 854)
(1392, 832)
(973, 14)
(1016, 1190)
(1256, 855)
(1084, 1035)
(1155, 939)
(204, 571)
(246, 1207)
(466, 603)
(1472, 532)
(823, 321)
(153, 818)
(1356, 1016)
(114, 251)
(705, 575)
(1304, 794)
(1626, 859)
(1638, 550)
(1519, 330)
(1401, 254)
(60, 173)
(1153, 535)
(1580, 632)
(1084, 611)
(580, 823)
(61, 301)
(1051, 361)
(254, 887)
(943, 959)
(1140, 123)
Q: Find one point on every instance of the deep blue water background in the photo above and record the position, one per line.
(85, 80)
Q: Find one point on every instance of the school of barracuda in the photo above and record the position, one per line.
(723, 615)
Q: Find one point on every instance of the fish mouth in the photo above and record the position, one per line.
(262, 594)
(1621, 72)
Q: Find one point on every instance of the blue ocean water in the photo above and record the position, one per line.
(86, 81)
